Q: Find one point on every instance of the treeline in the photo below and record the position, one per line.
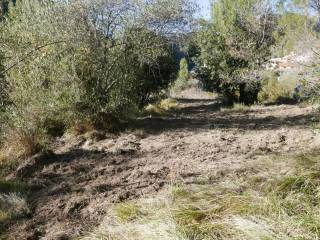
(83, 65)
(232, 48)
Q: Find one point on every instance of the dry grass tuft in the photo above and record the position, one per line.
(22, 143)
(13, 203)
(238, 107)
(168, 104)
(163, 107)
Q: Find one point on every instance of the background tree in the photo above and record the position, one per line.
(234, 44)
(315, 4)
(183, 76)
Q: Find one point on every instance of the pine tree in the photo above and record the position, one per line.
(234, 44)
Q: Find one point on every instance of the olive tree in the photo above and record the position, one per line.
(69, 60)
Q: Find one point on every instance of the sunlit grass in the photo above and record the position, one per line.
(127, 211)
(163, 107)
(268, 204)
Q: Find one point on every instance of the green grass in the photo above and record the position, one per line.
(127, 211)
(13, 195)
(290, 203)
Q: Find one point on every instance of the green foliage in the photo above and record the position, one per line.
(127, 211)
(3, 86)
(233, 46)
(66, 62)
(290, 30)
(183, 76)
(184, 72)
(4, 7)
(276, 88)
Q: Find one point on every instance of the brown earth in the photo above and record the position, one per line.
(73, 186)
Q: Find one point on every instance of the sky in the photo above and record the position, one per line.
(205, 10)
(205, 7)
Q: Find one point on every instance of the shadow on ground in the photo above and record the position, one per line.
(200, 114)
(76, 187)
(70, 191)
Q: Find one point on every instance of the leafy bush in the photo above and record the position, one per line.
(67, 64)
(233, 47)
(277, 88)
(308, 85)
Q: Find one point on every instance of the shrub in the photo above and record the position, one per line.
(24, 143)
(66, 64)
(277, 88)
(233, 47)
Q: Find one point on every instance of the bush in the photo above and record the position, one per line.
(233, 47)
(308, 85)
(277, 88)
(66, 64)
(293, 33)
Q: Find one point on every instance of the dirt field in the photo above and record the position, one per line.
(73, 187)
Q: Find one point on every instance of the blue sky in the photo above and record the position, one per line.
(205, 7)
(205, 10)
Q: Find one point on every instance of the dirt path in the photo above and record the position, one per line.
(72, 191)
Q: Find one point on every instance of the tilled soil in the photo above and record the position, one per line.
(73, 187)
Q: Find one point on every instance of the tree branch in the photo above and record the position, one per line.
(25, 57)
